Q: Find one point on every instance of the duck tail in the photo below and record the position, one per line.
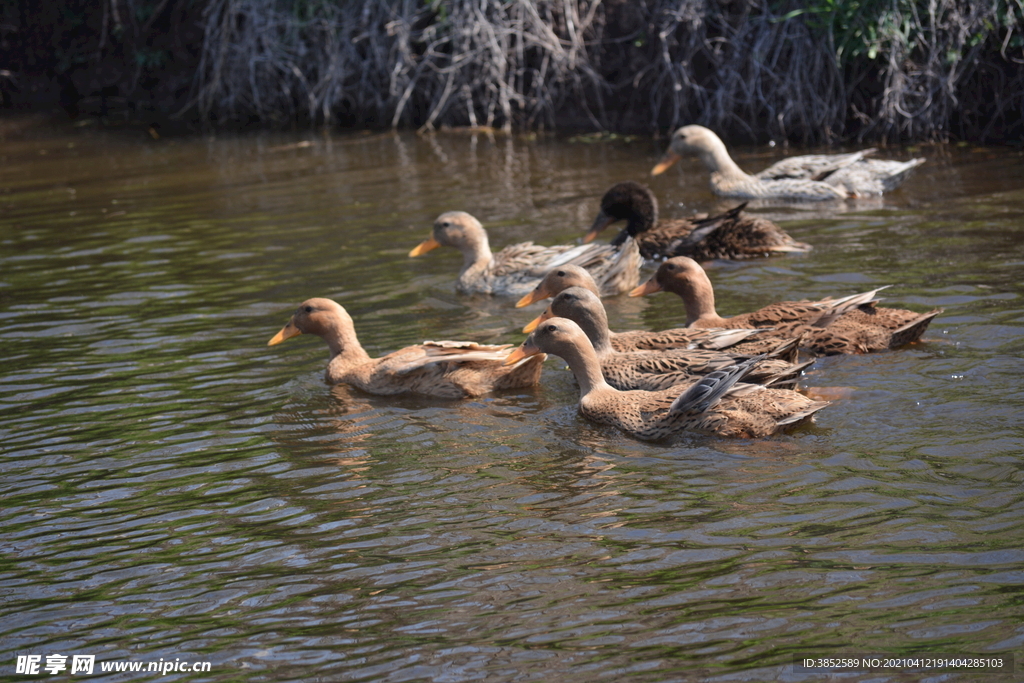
(788, 377)
(913, 330)
(803, 414)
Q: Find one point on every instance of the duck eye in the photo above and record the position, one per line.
(309, 309)
(552, 328)
(561, 273)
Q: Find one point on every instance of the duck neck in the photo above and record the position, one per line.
(340, 335)
(699, 299)
(594, 324)
(476, 256)
(586, 367)
(718, 161)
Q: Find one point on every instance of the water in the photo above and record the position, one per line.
(174, 489)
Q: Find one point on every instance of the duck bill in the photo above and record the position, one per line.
(287, 332)
(537, 294)
(525, 350)
(649, 287)
(602, 221)
(424, 246)
(666, 162)
(532, 325)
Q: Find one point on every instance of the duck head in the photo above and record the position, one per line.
(630, 202)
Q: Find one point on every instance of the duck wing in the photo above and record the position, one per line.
(871, 177)
(811, 166)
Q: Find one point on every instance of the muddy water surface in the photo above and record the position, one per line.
(172, 488)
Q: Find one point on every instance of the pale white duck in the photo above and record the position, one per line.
(818, 177)
(517, 269)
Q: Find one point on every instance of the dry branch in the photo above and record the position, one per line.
(754, 69)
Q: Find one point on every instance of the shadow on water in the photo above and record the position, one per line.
(175, 489)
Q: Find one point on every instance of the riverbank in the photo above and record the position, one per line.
(808, 74)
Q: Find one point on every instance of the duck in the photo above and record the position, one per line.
(733, 235)
(819, 177)
(516, 269)
(851, 324)
(445, 369)
(655, 370)
(716, 404)
(751, 341)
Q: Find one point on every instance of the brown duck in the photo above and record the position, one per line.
(517, 268)
(852, 324)
(739, 341)
(444, 369)
(716, 404)
(731, 235)
(655, 370)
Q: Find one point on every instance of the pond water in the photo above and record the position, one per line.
(174, 489)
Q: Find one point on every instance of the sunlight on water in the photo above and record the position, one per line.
(175, 489)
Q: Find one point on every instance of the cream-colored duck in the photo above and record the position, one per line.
(516, 269)
(749, 342)
(655, 370)
(731, 235)
(716, 404)
(444, 369)
(806, 178)
(852, 324)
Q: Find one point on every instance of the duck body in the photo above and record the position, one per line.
(516, 269)
(716, 404)
(654, 370)
(750, 411)
(859, 176)
(443, 369)
(733, 235)
(737, 341)
(852, 324)
(805, 178)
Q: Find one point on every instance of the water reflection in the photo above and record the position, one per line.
(172, 489)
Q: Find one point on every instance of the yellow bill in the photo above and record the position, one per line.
(649, 287)
(532, 325)
(525, 350)
(666, 162)
(287, 332)
(536, 295)
(424, 246)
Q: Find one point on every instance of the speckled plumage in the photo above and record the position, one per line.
(859, 176)
(852, 324)
(731, 235)
(749, 342)
(444, 369)
(808, 178)
(654, 370)
(716, 404)
(516, 269)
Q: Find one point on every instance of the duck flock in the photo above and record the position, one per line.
(732, 376)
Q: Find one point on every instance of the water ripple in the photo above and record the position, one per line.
(173, 488)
